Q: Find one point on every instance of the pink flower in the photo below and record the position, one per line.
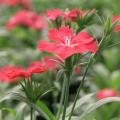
(105, 93)
(9, 74)
(14, 3)
(21, 18)
(116, 19)
(39, 23)
(78, 70)
(54, 14)
(48, 62)
(75, 14)
(66, 43)
(72, 15)
(28, 19)
(37, 67)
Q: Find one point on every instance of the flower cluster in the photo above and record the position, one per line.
(14, 3)
(27, 18)
(11, 74)
(66, 43)
(72, 15)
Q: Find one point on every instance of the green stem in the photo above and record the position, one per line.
(81, 85)
(61, 100)
(68, 72)
(66, 97)
(31, 113)
(83, 79)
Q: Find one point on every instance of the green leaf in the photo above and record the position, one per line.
(10, 110)
(45, 109)
(59, 74)
(115, 79)
(20, 116)
(80, 102)
(46, 92)
(98, 104)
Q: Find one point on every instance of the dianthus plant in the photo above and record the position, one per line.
(71, 42)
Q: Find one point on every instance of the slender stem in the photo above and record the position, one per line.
(83, 79)
(61, 100)
(81, 86)
(68, 73)
(66, 97)
(31, 113)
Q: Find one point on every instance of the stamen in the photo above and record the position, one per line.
(68, 40)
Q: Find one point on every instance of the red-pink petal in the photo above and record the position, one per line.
(116, 18)
(61, 34)
(105, 93)
(92, 47)
(83, 37)
(117, 28)
(53, 14)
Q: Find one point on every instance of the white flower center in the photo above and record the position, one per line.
(68, 40)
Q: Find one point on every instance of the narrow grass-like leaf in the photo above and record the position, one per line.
(98, 104)
(22, 98)
(80, 102)
(45, 109)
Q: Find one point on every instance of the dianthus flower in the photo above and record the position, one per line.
(28, 19)
(75, 14)
(14, 3)
(116, 19)
(47, 61)
(66, 43)
(54, 14)
(105, 93)
(11, 74)
(72, 15)
(37, 67)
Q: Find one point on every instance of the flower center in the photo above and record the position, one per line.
(68, 40)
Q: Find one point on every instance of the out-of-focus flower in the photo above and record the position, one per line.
(10, 2)
(78, 69)
(37, 67)
(28, 19)
(10, 74)
(66, 43)
(72, 15)
(75, 14)
(14, 3)
(48, 61)
(54, 14)
(116, 19)
(39, 23)
(105, 93)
